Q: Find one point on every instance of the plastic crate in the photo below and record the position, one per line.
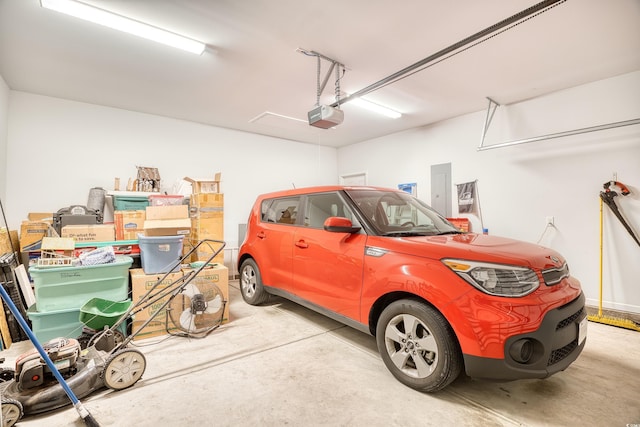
(130, 203)
(462, 224)
(53, 324)
(60, 288)
(160, 254)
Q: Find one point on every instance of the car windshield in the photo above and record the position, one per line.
(394, 213)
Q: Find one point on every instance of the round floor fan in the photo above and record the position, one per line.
(197, 310)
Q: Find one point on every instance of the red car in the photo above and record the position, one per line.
(438, 301)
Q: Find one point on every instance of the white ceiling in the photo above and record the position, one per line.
(252, 66)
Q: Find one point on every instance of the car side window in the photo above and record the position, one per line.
(282, 211)
(319, 207)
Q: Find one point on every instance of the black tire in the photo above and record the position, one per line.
(12, 411)
(7, 374)
(427, 357)
(251, 286)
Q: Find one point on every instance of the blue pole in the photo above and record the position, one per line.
(84, 413)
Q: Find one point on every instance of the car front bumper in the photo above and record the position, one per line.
(551, 348)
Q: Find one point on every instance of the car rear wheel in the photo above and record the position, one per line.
(251, 287)
(418, 346)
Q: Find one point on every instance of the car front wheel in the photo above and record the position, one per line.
(251, 287)
(418, 346)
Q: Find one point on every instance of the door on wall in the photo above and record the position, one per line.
(441, 189)
(354, 179)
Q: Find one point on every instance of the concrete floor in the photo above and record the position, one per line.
(282, 364)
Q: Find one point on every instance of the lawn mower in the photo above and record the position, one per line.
(191, 309)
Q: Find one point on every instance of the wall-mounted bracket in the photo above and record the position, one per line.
(491, 109)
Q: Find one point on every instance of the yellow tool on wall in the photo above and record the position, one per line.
(607, 197)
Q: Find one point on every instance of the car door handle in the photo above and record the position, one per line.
(261, 235)
(302, 244)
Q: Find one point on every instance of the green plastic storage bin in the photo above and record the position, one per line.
(62, 288)
(130, 203)
(53, 324)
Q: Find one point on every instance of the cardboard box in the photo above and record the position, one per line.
(40, 216)
(205, 185)
(32, 232)
(167, 221)
(202, 205)
(141, 284)
(167, 227)
(167, 212)
(90, 232)
(128, 224)
(7, 238)
(207, 228)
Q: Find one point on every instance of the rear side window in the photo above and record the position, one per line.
(281, 211)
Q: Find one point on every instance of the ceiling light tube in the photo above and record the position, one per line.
(363, 103)
(121, 23)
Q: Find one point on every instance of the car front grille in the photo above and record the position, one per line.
(553, 276)
(558, 354)
(569, 320)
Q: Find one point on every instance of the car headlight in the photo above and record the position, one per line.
(496, 279)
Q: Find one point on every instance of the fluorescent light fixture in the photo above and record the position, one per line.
(121, 23)
(371, 106)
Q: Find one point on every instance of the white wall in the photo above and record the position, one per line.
(58, 150)
(520, 186)
(4, 112)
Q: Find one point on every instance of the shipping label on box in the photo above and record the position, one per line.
(128, 224)
(167, 212)
(141, 284)
(90, 232)
(32, 232)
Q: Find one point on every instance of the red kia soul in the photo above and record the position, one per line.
(438, 301)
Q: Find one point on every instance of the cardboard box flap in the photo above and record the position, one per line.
(199, 185)
(58, 243)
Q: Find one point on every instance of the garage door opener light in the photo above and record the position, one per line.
(377, 108)
(121, 23)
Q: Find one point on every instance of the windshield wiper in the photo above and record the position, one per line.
(407, 233)
(442, 233)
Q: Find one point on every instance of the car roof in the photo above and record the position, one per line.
(321, 189)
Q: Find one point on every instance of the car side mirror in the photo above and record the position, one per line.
(336, 224)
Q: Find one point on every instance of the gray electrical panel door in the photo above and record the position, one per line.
(441, 189)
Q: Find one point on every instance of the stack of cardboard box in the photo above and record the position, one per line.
(207, 217)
